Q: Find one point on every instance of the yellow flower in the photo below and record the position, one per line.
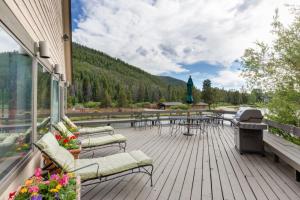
(58, 187)
(54, 190)
(28, 182)
(71, 175)
(23, 190)
(34, 194)
(19, 149)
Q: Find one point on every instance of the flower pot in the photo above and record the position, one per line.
(76, 134)
(75, 152)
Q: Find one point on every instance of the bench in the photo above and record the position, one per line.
(285, 150)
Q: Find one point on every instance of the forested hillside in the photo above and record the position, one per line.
(101, 78)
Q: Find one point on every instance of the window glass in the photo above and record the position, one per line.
(55, 101)
(15, 102)
(43, 101)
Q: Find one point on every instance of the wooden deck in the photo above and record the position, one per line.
(204, 166)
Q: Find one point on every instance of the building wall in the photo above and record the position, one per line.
(30, 21)
(23, 174)
(43, 21)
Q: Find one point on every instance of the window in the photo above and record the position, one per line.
(15, 102)
(55, 101)
(43, 101)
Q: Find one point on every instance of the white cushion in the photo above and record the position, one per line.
(141, 158)
(104, 140)
(108, 165)
(63, 129)
(99, 129)
(50, 146)
(43, 123)
(69, 122)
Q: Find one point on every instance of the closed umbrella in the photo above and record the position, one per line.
(189, 98)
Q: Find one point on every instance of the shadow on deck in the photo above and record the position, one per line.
(204, 166)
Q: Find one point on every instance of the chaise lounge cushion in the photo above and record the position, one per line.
(109, 165)
(99, 129)
(141, 158)
(104, 140)
(63, 129)
(87, 130)
(60, 155)
(69, 122)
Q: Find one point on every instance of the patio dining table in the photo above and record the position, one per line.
(190, 122)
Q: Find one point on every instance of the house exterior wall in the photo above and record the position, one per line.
(44, 21)
(31, 21)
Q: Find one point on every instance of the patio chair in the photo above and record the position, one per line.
(101, 169)
(92, 143)
(88, 130)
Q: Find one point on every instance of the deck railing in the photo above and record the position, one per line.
(90, 118)
(291, 129)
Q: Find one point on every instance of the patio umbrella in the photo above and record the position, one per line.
(189, 98)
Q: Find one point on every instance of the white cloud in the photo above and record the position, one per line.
(157, 35)
(228, 79)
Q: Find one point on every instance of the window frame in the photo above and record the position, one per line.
(18, 167)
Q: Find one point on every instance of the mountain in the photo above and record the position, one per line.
(101, 78)
(172, 81)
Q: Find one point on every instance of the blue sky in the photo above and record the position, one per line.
(178, 38)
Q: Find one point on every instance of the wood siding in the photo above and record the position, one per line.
(43, 20)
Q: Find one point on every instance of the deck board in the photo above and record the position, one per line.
(203, 166)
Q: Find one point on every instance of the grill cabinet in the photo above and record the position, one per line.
(248, 131)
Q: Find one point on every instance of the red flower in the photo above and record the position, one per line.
(58, 137)
(73, 137)
(65, 141)
(12, 195)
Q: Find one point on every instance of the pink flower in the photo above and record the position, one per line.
(54, 177)
(64, 180)
(47, 182)
(33, 189)
(38, 172)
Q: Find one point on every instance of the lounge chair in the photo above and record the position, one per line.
(8, 143)
(101, 169)
(88, 142)
(88, 130)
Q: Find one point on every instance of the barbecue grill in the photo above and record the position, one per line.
(248, 130)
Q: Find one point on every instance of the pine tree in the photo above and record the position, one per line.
(207, 93)
(122, 98)
(106, 100)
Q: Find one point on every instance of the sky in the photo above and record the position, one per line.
(178, 38)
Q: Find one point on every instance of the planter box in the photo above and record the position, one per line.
(78, 189)
(76, 134)
(75, 152)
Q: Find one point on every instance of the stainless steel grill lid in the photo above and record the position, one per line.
(249, 115)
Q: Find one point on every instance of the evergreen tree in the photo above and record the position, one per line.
(106, 100)
(141, 93)
(122, 98)
(207, 93)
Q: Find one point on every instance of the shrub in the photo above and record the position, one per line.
(180, 107)
(92, 104)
